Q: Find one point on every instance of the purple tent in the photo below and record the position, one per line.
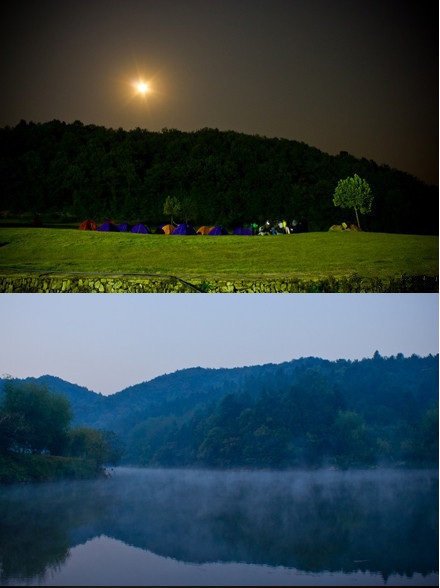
(140, 228)
(123, 228)
(242, 231)
(184, 229)
(107, 226)
(218, 231)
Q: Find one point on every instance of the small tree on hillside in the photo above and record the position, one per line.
(188, 209)
(354, 192)
(171, 207)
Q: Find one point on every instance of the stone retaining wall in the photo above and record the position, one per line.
(51, 283)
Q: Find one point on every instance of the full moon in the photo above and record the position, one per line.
(142, 87)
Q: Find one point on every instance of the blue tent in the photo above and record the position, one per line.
(140, 228)
(123, 227)
(107, 226)
(184, 229)
(242, 231)
(217, 230)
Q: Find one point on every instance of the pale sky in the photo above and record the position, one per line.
(109, 342)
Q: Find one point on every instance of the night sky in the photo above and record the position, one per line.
(340, 75)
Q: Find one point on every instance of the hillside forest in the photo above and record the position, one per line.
(70, 172)
(308, 412)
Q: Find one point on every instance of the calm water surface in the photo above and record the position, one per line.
(223, 528)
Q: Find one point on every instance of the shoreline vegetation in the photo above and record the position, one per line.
(16, 468)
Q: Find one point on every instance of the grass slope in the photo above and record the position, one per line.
(306, 255)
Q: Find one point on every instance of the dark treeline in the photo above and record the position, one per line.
(76, 171)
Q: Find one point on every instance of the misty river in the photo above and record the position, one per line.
(178, 527)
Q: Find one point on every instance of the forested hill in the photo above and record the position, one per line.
(76, 171)
(308, 411)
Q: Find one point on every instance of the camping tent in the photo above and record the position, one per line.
(88, 225)
(242, 231)
(166, 229)
(107, 226)
(140, 228)
(204, 230)
(123, 227)
(184, 229)
(218, 231)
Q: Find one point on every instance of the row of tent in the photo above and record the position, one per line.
(165, 229)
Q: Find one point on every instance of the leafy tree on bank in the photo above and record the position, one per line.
(101, 446)
(354, 192)
(36, 420)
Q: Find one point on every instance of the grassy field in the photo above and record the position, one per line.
(305, 255)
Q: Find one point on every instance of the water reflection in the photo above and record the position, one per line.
(380, 522)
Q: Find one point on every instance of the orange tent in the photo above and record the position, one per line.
(203, 230)
(168, 229)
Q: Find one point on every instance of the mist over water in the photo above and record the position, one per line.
(246, 527)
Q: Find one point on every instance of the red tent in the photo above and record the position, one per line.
(88, 225)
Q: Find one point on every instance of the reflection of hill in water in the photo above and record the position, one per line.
(384, 522)
(332, 521)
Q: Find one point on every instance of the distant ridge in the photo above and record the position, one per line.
(184, 375)
(189, 381)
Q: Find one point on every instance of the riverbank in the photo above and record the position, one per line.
(26, 468)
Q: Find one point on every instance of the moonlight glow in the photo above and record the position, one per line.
(138, 89)
(142, 87)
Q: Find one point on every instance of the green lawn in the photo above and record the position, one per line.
(306, 255)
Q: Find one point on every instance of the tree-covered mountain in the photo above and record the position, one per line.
(76, 171)
(308, 411)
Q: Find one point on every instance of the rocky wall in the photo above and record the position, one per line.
(50, 283)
